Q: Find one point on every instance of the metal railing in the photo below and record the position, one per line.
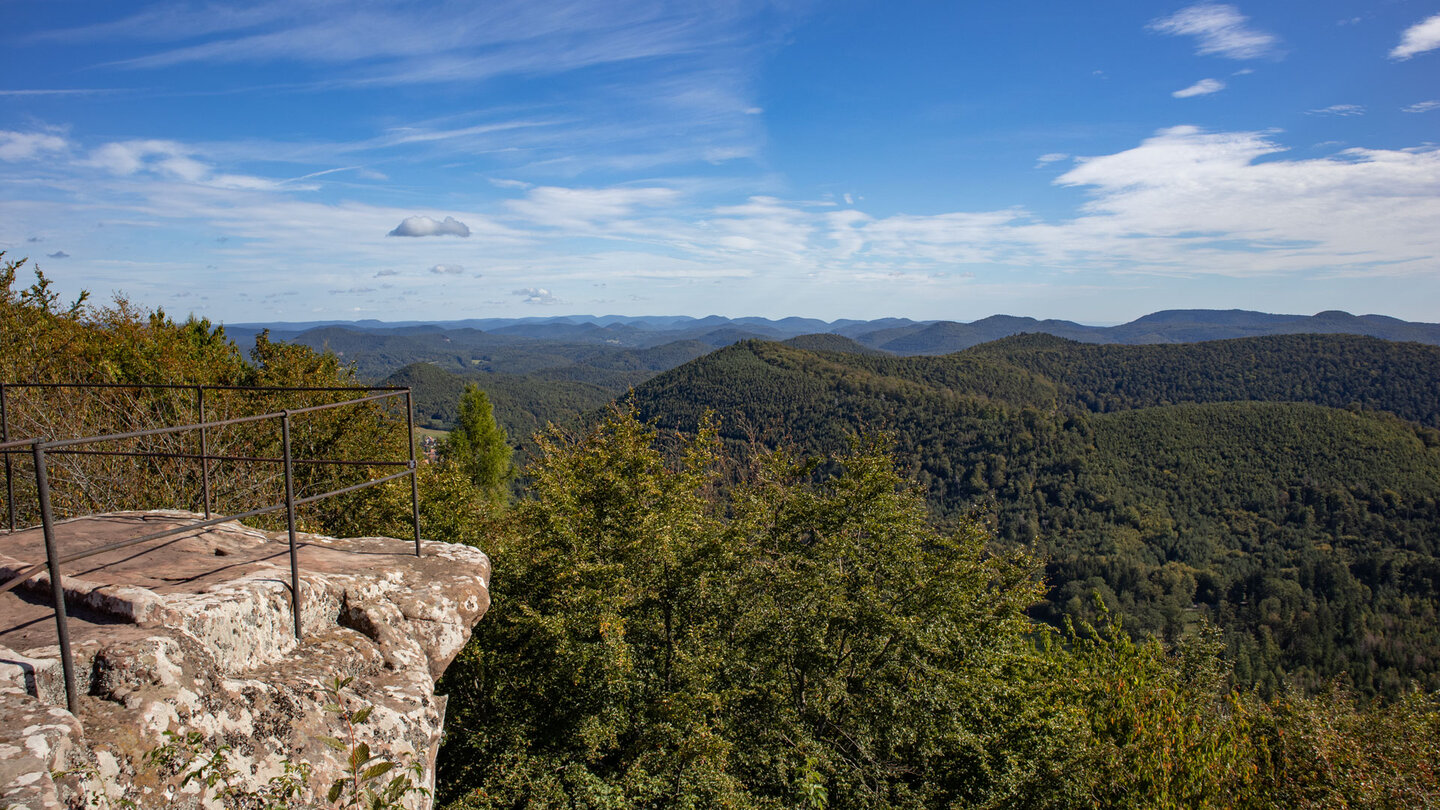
(39, 449)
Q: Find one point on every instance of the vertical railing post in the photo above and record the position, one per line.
(57, 588)
(204, 447)
(290, 522)
(9, 472)
(414, 472)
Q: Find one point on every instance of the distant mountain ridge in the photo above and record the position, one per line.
(901, 336)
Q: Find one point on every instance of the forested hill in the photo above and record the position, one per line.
(1333, 370)
(1265, 484)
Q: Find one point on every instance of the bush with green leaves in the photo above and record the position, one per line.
(806, 639)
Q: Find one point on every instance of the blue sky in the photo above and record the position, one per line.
(317, 159)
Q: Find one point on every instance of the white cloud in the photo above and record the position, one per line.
(425, 226)
(173, 161)
(1051, 157)
(1186, 202)
(448, 269)
(585, 208)
(1204, 87)
(15, 146)
(1219, 30)
(387, 272)
(537, 295)
(1421, 106)
(1341, 110)
(1418, 38)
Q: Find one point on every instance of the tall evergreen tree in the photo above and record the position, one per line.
(479, 446)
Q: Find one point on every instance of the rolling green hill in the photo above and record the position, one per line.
(1215, 480)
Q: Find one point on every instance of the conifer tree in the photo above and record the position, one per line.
(479, 446)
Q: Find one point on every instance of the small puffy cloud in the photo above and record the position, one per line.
(425, 226)
(1422, 106)
(59, 254)
(1219, 30)
(1341, 110)
(1418, 38)
(29, 145)
(1204, 87)
(384, 273)
(448, 269)
(1051, 157)
(536, 295)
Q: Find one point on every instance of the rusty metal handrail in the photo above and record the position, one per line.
(38, 448)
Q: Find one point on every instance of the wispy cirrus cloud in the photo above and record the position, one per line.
(1219, 30)
(17, 146)
(1421, 106)
(1340, 110)
(1204, 87)
(1418, 38)
(585, 208)
(58, 92)
(171, 160)
(677, 87)
(446, 41)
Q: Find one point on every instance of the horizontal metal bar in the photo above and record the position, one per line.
(208, 387)
(208, 457)
(116, 546)
(371, 483)
(112, 437)
(371, 398)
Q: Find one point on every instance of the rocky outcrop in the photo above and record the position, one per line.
(189, 647)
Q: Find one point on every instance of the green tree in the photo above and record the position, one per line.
(807, 640)
(479, 446)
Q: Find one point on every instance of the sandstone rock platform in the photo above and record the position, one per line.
(194, 633)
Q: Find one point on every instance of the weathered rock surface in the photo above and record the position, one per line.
(196, 635)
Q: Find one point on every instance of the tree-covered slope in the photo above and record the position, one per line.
(522, 404)
(1302, 529)
(1332, 370)
(1308, 533)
